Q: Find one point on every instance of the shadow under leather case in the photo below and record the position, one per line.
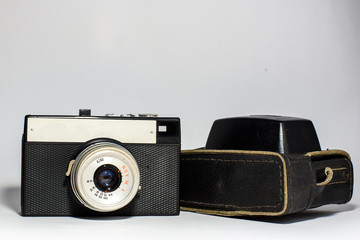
(282, 170)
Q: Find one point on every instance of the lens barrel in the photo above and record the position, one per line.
(105, 177)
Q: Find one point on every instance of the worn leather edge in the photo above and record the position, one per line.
(242, 213)
(328, 153)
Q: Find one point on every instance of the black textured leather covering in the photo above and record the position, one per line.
(46, 190)
(262, 183)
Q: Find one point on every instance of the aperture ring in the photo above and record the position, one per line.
(83, 175)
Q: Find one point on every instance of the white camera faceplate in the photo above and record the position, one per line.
(57, 129)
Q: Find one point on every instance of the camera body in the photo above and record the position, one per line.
(87, 166)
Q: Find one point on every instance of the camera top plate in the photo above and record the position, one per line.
(148, 129)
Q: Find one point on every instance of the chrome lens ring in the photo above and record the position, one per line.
(104, 155)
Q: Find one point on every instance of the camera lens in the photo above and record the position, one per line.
(107, 178)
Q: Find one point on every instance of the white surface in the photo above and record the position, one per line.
(196, 59)
(81, 130)
(328, 222)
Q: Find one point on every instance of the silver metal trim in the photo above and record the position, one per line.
(148, 115)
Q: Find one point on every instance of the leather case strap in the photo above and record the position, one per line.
(260, 183)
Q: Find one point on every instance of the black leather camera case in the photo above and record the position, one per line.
(271, 182)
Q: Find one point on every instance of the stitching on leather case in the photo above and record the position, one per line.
(328, 153)
(242, 161)
(340, 182)
(338, 169)
(225, 205)
(237, 213)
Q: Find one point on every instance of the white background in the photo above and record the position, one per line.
(197, 59)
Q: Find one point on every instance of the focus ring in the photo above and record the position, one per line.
(105, 177)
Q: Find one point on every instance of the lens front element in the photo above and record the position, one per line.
(105, 177)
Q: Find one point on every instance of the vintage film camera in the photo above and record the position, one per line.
(85, 166)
